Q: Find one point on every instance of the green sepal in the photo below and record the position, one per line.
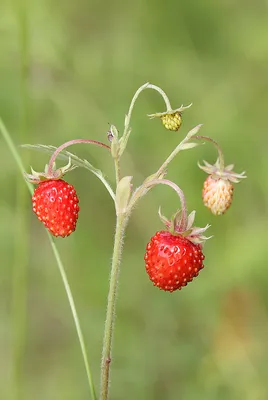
(122, 195)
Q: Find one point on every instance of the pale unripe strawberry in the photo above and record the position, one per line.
(172, 122)
(171, 119)
(217, 195)
(218, 189)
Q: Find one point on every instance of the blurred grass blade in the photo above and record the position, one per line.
(17, 158)
(75, 315)
(13, 151)
(66, 155)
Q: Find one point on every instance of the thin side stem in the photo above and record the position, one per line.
(127, 130)
(173, 154)
(136, 95)
(70, 143)
(106, 184)
(76, 161)
(220, 152)
(163, 94)
(110, 314)
(154, 182)
(133, 101)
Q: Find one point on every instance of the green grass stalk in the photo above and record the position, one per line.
(17, 158)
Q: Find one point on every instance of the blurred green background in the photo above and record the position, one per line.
(67, 70)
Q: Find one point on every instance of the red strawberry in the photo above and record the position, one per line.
(172, 261)
(56, 204)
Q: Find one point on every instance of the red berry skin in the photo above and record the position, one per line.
(172, 261)
(56, 204)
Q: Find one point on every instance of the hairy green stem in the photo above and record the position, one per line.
(117, 170)
(127, 129)
(110, 314)
(135, 97)
(163, 94)
(154, 182)
(220, 152)
(173, 154)
(66, 155)
(118, 241)
(170, 158)
(133, 101)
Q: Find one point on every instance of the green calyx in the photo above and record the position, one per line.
(55, 174)
(178, 226)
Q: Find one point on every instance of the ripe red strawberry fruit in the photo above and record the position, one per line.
(56, 204)
(172, 260)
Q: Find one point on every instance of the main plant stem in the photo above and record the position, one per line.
(110, 314)
(121, 223)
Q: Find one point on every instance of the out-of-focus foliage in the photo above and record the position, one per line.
(87, 58)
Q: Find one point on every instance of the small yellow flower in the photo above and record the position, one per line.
(172, 122)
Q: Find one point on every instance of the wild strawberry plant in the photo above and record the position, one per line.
(173, 256)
